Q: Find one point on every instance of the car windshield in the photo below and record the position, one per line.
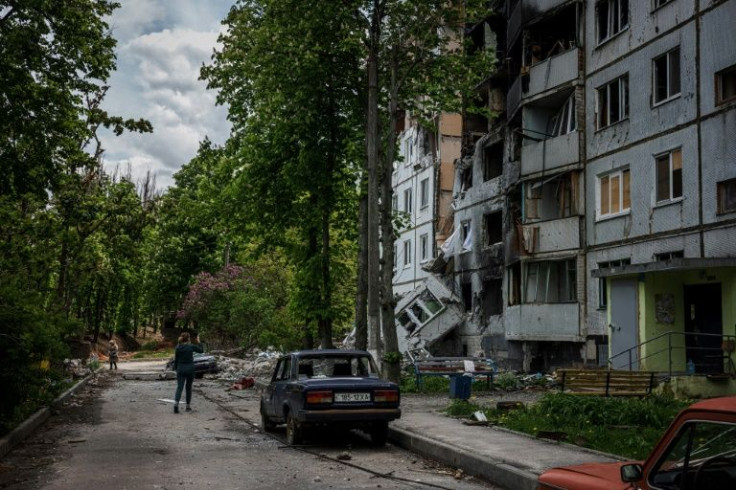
(700, 443)
(337, 366)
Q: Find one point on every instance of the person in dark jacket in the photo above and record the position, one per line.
(184, 367)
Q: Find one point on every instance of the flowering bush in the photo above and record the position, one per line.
(242, 305)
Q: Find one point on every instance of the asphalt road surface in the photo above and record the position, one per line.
(120, 432)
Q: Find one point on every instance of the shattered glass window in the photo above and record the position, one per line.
(430, 302)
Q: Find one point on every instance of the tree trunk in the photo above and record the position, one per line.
(392, 360)
(372, 141)
(361, 295)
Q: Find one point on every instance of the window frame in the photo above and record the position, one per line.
(424, 247)
(424, 193)
(554, 276)
(670, 177)
(621, 6)
(407, 253)
(730, 71)
(658, 4)
(603, 96)
(670, 95)
(622, 211)
(722, 187)
(408, 200)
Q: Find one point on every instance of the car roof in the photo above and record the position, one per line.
(722, 404)
(330, 352)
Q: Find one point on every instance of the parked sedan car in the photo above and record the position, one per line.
(698, 452)
(203, 364)
(329, 387)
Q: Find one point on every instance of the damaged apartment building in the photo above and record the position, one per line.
(594, 213)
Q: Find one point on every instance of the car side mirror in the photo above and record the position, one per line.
(631, 473)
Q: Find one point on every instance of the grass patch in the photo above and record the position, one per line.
(628, 427)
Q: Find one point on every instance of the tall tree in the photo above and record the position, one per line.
(288, 72)
(413, 49)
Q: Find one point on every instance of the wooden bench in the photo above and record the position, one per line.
(454, 366)
(606, 382)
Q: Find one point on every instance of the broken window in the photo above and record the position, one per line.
(551, 282)
(726, 191)
(424, 193)
(564, 121)
(612, 104)
(669, 176)
(614, 194)
(407, 253)
(493, 228)
(514, 284)
(424, 246)
(612, 17)
(726, 85)
(492, 161)
(667, 76)
(665, 256)
(420, 311)
(467, 293)
(466, 178)
(408, 200)
(552, 198)
(466, 235)
(493, 296)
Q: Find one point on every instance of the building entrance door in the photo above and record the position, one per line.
(624, 326)
(703, 315)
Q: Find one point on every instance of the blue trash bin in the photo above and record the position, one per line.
(460, 387)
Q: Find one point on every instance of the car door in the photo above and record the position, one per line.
(276, 390)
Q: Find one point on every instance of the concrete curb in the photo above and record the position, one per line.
(496, 472)
(25, 429)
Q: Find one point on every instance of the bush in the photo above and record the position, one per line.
(462, 408)
(506, 381)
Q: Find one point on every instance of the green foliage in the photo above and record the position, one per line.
(462, 408)
(294, 113)
(628, 427)
(70, 232)
(243, 305)
(506, 381)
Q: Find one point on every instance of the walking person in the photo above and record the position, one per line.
(112, 354)
(184, 367)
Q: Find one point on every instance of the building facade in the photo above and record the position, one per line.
(594, 211)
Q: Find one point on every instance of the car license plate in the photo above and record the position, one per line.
(352, 397)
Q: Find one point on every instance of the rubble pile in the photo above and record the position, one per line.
(77, 368)
(255, 364)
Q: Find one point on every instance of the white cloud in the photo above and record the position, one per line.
(161, 46)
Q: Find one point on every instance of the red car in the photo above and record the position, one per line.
(698, 451)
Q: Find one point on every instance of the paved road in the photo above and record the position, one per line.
(118, 434)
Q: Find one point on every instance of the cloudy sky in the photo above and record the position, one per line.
(161, 47)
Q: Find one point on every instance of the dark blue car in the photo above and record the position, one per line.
(329, 387)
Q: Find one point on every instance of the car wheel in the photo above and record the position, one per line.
(266, 423)
(293, 430)
(379, 433)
